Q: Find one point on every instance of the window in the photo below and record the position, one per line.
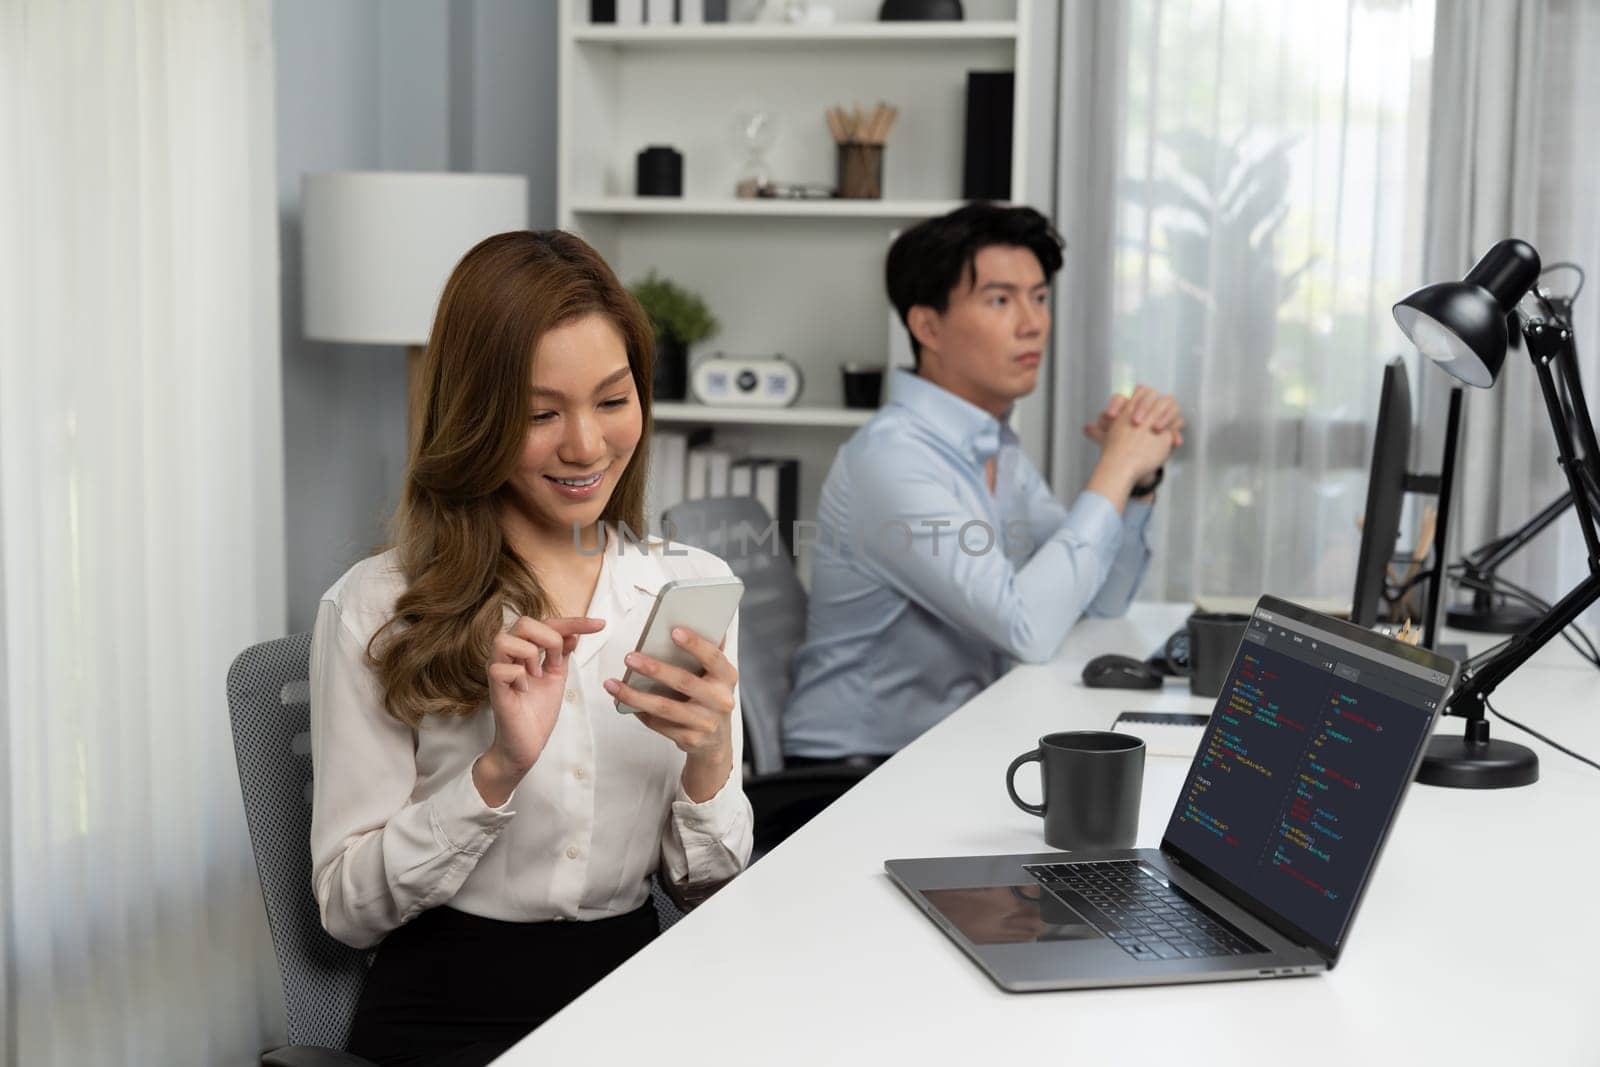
(1269, 213)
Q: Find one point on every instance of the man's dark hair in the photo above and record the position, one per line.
(927, 261)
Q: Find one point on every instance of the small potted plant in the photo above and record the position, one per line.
(680, 319)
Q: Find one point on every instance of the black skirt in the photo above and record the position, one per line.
(450, 989)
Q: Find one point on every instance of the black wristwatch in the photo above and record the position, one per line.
(1141, 492)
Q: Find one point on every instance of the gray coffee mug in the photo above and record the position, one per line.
(1092, 780)
(1214, 638)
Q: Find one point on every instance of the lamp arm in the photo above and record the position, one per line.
(1551, 349)
(1486, 559)
(1574, 411)
(1557, 348)
(1468, 701)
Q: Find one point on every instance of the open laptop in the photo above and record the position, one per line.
(1318, 731)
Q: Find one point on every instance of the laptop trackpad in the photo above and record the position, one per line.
(1009, 915)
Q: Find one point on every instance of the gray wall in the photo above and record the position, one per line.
(386, 85)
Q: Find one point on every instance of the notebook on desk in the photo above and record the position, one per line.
(1274, 837)
(1336, 606)
(1169, 734)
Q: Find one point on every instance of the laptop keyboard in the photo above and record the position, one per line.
(1151, 920)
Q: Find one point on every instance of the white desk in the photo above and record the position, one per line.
(1478, 941)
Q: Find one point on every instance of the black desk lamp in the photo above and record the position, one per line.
(1461, 326)
(1493, 610)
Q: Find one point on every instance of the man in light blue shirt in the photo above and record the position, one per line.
(942, 557)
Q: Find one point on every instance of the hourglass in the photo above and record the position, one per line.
(754, 132)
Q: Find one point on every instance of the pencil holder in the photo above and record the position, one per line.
(861, 171)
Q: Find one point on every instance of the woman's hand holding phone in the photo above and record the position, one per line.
(700, 723)
(527, 682)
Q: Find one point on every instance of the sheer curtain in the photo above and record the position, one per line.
(1569, 229)
(1483, 185)
(141, 523)
(1266, 183)
(1514, 152)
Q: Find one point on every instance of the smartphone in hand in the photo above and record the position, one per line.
(703, 605)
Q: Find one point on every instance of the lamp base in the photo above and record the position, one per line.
(1503, 619)
(1463, 763)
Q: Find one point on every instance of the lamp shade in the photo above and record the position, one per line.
(1461, 326)
(377, 248)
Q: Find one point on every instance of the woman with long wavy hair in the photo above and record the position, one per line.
(481, 812)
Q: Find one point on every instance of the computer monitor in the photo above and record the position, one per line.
(1387, 485)
(1386, 494)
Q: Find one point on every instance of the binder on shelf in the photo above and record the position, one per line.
(718, 463)
(660, 12)
(667, 484)
(777, 487)
(708, 472)
(664, 488)
(695, 481)
(742, 477)
(986, 170)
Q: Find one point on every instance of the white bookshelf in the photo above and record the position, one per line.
(765, 209)
(783, 35)
(803, 278)
(665, 411)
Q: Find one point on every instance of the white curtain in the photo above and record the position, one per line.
(141, 523)
(1264, 214)
(1093, 78)
(1514, 153)
(1569, 229)
(1483, 185)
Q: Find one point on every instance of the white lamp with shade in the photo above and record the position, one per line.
(377, 248)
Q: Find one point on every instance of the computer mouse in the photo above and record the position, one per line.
(1121, 672)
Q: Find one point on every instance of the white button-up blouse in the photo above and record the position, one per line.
(398, 826)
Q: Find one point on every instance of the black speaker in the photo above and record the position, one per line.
(659, 172)
(986, 169)
(920, 10)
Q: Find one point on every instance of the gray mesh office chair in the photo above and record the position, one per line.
(772, 614)
(269, 705)
(772, 626)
